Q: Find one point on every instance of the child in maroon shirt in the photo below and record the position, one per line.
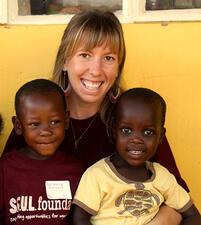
(38, 181)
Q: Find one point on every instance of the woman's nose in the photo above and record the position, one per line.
(95, 67)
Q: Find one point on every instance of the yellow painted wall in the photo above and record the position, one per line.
(164, 58)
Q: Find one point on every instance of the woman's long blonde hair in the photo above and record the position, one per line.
(92, 28)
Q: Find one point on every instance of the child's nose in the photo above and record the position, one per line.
(45, 130)
(136, 138)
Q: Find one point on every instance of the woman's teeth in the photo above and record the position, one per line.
(91, 85)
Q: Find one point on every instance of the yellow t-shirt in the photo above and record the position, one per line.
(112, 199)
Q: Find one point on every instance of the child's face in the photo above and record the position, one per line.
(42, 122)
(137, 131)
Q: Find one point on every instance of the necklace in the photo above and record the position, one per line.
(77, 140)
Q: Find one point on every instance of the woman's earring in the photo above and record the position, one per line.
(114, 94)
(64, 82)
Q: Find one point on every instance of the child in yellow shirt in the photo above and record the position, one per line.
(126, 188)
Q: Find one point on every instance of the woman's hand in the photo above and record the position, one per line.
(166, 216)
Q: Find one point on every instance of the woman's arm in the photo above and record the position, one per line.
(191, 216)
(166, 216)
(165, 157)
(80, 216)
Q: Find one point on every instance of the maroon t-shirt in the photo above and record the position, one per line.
(37, 192)
(95, 145)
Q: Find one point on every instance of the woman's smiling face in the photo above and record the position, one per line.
(91, 73)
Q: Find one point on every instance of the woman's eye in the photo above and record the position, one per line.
(84, 55)
(149, 132)
(126, 130)
(109, 59)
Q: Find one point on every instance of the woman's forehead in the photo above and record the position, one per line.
(106, 44)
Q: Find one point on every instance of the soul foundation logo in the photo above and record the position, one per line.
(25, 203)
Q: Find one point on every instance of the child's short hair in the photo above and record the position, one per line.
(41, 86)
(145, 95)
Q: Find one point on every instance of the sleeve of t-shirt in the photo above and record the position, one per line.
(88, 194)
(175, 196)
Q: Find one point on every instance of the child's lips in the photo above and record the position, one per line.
(136, 154)
(136, 147)
(46, 142)
(136, 150)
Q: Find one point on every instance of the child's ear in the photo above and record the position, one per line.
(163, 131)
(17, 125)
(67, 119)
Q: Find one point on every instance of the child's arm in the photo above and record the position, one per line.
(80, 216)
(166, 216)
(191, 216)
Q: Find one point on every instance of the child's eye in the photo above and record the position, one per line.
(149, 132)
(54, 122)
(126, 130)
(33, 124)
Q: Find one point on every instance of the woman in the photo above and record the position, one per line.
(88, 67)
